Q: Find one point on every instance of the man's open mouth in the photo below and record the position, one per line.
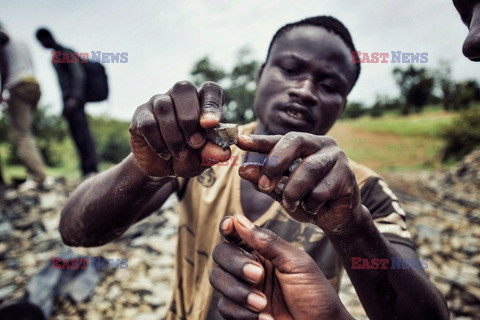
(295, 114)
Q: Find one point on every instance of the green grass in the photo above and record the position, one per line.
(111, 136)
(428, 124)
(69, 169)
(394, 142)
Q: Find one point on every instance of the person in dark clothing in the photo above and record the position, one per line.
(71, 77)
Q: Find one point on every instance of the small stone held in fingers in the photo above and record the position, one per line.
(223, 135)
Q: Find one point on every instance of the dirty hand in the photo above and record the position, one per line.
(167, 134)
(321, 190)
(272, 279)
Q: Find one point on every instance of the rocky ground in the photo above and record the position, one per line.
(443, 210)
(443, 216)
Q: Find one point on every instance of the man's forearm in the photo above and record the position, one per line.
(387, 293)
(103, 207)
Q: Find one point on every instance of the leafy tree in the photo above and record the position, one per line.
(446, 85)
(114, 148)
(377, 109)
(238, 84)
(3, 128)
(463, 135)
(354, 110)
(415, 86)
(50, 131)
(465, 92)
(384, 103)
(389, 103)
(112, 138)
(204, 70)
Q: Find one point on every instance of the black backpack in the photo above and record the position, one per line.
(96, 86)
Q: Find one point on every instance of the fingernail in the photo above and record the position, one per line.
(196, 139)
(256, 301)
(290, 206)
(227, 224)
(265, 316)
(246, 171)
(252, 272)
(210, 116)
(251, 164)
(245, 222)
(245, 137)
(264, 183)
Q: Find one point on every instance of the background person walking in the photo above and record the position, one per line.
(19, 81)
(72, 78)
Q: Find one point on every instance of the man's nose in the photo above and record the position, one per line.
(471, 46)
(305, 91)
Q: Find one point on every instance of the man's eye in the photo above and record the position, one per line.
(328, 87)
(289, 71)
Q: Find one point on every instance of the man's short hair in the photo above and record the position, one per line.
(43, 33)
(327, 22)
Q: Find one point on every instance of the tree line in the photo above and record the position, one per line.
(419, 87)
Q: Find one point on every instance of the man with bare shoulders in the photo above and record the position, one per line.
(330, 207)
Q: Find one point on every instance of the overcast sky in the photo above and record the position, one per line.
(164, 38)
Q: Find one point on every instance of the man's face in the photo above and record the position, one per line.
(470, 12)
(305, 82)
